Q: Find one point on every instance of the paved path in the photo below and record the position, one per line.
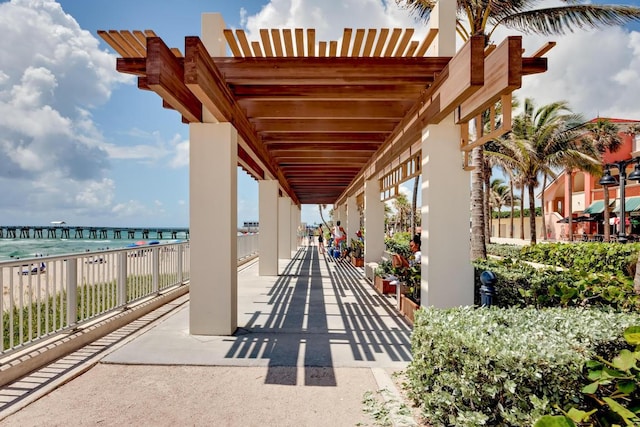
(312, 342)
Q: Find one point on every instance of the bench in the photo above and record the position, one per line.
(370, 267)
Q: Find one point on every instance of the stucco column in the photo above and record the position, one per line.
(567, 197)
(284, 228)
(353, 219)
(268, 237)
(341, 214)
(295, 226)
(213, 39)
(447, 273)
(213, 228)
(373, 222)
(588, 188)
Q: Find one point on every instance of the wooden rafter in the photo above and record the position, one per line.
(321, 116)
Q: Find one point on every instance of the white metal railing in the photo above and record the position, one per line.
(48, 295)
(247, 245)
(44, 296)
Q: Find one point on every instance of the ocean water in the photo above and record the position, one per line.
(12, 249)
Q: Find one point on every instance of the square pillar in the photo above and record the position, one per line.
(447, 273)
(212, 37)
(295, 226)
(284, 228)
(213, 227)
(353, 219)
(268, 236)
(373, 222)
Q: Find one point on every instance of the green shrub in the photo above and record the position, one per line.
(503, 250)
(616, 258)
(398, 244)
(519, 284)
(503, 367)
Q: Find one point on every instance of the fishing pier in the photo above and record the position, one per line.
(77, 232)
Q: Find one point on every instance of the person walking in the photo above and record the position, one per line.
(320, 240)
(338, 234)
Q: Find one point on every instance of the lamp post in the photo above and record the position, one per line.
(608, 180)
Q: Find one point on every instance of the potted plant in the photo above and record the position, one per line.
(357, 253)
(383, 278)
(410, 299)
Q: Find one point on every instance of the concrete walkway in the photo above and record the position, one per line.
(313, 341)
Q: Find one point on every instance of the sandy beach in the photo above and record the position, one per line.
(42, 278)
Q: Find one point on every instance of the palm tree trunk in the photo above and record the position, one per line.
(570, 207)
(499, 234)
(486, 176)
(512, 207)
(544, 220)
(532, 214)
(414, 202)
(605, 217)
(478, 242)
(522, 211)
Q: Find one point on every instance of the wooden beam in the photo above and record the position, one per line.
(341, 109)
(503, 71)
(165, 76)
(331, 71)
(325, 92)
(207, 83)
(323, 126)
(544, 49)
(332, 138)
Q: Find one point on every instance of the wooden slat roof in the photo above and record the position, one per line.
(313, 114)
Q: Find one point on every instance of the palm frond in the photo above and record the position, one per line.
(559, 20)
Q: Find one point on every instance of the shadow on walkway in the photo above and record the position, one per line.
(322, 313)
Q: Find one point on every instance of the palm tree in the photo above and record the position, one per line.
(499, 197)
(541, 142)
(604, 135)
(414, 204)
(403, 211)
(552, 131)
(482, 17)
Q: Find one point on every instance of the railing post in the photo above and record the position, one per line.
(180, 256)
(72, 291)
(155, 269)
(122, 278)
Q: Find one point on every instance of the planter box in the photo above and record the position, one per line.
(384, 286)
(357, 262)
(408, 307)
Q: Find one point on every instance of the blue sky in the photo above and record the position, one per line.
(81, 143)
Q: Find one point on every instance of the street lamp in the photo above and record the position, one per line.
(608, 180)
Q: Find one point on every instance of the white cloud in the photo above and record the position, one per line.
(130, 209)
(595, 71)
(52, 75)
(331, 17)
(180, 153)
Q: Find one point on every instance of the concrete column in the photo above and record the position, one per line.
(588, 189)
(373, 222)
(268, 237)
(447, 274)
(353, 219)
(341, 214)
(284, 228)
(213, 227)
(443, 17)
(295, 226)
(566, 209)
(213, 39)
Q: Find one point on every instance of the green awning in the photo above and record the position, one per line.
(631, 204)
(596, 207)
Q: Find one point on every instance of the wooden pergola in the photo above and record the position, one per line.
(323, 117)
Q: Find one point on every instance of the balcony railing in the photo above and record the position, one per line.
(46, 296)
